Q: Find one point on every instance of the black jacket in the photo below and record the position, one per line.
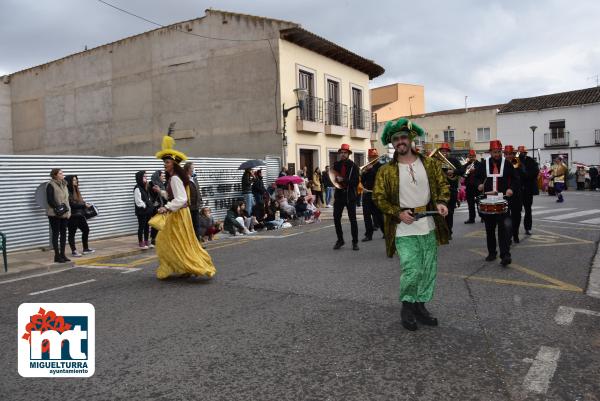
(528, 173)
(247, 182)
(194, 202)
(145, 195)
(350, 182)
(325, 180)
(368, 177)
(505, 182)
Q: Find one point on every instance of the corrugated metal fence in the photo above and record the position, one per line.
(107, 182)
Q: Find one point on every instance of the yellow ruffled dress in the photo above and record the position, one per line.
(177, 248)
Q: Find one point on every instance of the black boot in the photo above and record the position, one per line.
(63, 257)
(423, 315)
(338, 244)
(58, 258)
(408, 316)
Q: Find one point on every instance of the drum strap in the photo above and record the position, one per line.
(492, 175)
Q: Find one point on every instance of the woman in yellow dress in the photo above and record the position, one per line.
(177, 247)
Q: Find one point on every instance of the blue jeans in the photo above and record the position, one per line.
(329, 195)
(249, 199)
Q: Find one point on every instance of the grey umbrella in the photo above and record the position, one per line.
(251, 164)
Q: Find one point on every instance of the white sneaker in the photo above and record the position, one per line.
(75, 254)
(328, 206)
(252, 231)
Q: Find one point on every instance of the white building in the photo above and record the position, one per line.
(567, 123)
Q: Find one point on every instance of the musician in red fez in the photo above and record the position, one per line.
(346, 175)
(496, 176)
(371, 214)
(515, 203)
(470, 185)
(453, 177)
(528, 173)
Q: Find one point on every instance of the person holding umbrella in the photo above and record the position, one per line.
(346, 195)
(248, 180)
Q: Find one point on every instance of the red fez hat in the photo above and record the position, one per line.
(509, 149)
(345, 147)
(522, 149)
(445, 146)
(373, 153)
(495, 144)
(472, 152)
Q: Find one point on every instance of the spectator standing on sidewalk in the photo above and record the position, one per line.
(143, 208)
(77, 219)
(328, 185)
(247, 181)
(593, 172)
(158, 195)
(59, 212)
(317, 187)
(194, 198)
(258, 187)
(580, 178)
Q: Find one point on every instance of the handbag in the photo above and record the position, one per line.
(61, 209)
(90, 212)
(158, 221)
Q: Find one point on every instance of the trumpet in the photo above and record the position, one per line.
(516, 162)
(372, 162)
(435, 153)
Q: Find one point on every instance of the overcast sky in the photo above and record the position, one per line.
(490, 51)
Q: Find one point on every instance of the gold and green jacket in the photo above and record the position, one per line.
(386, 195)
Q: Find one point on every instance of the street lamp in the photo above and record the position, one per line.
(533, 128)
(301, 94)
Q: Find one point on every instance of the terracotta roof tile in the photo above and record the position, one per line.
(555, 100)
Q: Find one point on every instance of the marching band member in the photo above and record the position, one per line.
(470, 185)
(558, 175)
(372, 215)
(528, 173)
(409, 184)
(495, 176)
(453, 178)
(515, 202)
(346, 196)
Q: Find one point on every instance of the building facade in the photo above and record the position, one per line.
(566, 123)
(223, 78)
(391, 101)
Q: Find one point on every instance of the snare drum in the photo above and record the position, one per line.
(493, 206)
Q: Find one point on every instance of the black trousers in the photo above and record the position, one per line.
(341, 201)
(502, 223)
(143, 227)
(78, 222)
(515, 204)
(196, 222)
(372, 215)
(451, 207)
(471, 191)
(59, 230)
(527, 219)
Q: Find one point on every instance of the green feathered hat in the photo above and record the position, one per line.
(401, 125)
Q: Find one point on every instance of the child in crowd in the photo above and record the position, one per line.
(208, 226)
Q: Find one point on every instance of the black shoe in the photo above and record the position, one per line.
(355, 246)
(409, 321)
(506, 261)
(470, 222)
(490, 258)
(527, 232)
(423, 316)
(516, 239)
(58, 259)
(338, 245)
(367, 239)
(64, 258)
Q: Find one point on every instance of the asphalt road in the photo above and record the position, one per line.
(288, 318)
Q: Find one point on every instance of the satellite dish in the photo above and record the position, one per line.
(40, 196)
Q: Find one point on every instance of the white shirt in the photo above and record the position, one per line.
(179, 195)
(137, 197)
(414, 192)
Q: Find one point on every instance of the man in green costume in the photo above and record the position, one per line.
(408, 185)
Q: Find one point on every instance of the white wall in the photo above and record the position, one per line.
(580, 121)
(6, 144)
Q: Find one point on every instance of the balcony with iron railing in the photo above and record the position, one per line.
(310, 116)
(556, 139)
(336, 118)
(360, 123)
(597, 136)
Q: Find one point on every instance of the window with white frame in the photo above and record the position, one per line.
(449, 135)
(483, 134)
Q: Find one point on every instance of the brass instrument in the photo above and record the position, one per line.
(446, 165)
(469, 168)
(372, 162)
(516, 162)
(332, 176)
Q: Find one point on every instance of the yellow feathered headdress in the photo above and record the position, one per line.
(168, 151)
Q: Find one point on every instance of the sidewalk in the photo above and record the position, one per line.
(106, 249)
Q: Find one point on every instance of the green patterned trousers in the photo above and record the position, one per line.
(418, 260)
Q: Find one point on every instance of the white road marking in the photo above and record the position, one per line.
(542, 370)
(36, 275)
(61, 287)
(574, 214)
(591, 221)
(130, 270)
(538, 212)
(105, 267)
(565, 314)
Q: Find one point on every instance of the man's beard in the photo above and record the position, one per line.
(403, 149)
